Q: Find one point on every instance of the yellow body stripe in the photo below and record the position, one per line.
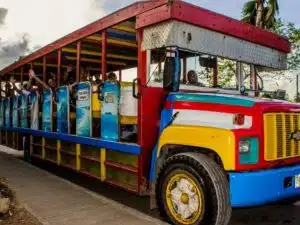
(221, 141)
(102, 161)
(43, 148)
(78, 156)
(58, 152)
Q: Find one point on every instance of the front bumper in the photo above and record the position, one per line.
(262, 187)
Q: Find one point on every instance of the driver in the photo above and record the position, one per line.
(193, 79)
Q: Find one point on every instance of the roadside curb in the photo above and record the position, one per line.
(111, 202)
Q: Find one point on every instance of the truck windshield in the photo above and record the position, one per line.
(206, 73)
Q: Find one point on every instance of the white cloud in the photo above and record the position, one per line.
(44, 20)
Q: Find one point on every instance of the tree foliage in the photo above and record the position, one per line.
(261, 13)
(293, 34)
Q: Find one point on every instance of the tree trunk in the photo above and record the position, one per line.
(259, 16)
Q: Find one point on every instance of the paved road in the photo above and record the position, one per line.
(279, 214)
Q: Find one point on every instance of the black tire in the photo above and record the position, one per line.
(211, 179)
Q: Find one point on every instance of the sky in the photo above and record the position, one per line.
(26, 25)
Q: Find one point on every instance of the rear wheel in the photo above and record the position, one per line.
(193, 189)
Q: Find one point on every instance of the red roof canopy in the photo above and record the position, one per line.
(155, 11)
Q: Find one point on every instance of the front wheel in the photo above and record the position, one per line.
(192, 189)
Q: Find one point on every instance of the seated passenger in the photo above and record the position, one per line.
(112, 77)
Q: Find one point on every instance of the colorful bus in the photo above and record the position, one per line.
(138, 117)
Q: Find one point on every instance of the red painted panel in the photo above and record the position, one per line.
(149, 109)
(198, 16)
(258, 131)
(108, 21)
(151, 106)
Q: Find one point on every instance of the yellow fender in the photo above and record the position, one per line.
(221, 141)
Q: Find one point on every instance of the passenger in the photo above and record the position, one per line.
(9, 90)
(69, 76)
(112, 77)
(52, 81)
(27, 87)
(32, 75)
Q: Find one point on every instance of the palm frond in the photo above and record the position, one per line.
(248, 8)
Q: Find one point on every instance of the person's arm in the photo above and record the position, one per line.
(32, 75)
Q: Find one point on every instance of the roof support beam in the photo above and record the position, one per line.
(93, 53)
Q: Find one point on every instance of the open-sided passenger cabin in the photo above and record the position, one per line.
(101, 128)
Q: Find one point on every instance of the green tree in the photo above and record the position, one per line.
(261, 13)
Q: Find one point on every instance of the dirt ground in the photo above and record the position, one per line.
(17, 214)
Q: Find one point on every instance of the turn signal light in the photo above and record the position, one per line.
(239, 119)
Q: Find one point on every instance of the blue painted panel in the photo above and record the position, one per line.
(122, 35)
(63, 109)
(34, 110)
(166, 116)
(15, 111)
(47, 111)
(83, 109)
(1, 112)
(216, 99)
(252, 156)
(23, 111)
(110, 111)
(262, 187)
(7, 106)
(112, 145)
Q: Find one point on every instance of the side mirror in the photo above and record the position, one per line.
(209, 62)
(172, 69)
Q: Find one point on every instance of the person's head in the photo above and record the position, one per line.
(112, 76)
(192, 77)
(70, 67)
(52, 83)
(25, 86)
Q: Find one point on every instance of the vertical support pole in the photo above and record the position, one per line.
(31, 65)
(215, 75)
(184, 80)
(103, 56)
(142, 74)
(120, 75)
(239, 75)
(159, 66)
(102, 164)
(44, 68)
(297, 87)
(78, 61)
(58, 67)
(22, 76)
(253, 79)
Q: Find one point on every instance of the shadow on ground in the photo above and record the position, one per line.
(279, 214)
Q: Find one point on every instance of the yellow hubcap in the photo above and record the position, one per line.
(184, 198)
